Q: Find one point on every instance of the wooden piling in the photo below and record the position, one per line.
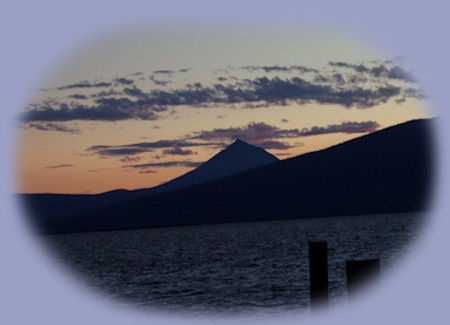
(318, 274)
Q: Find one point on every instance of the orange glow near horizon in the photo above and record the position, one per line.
(42, 156)
(56, 154)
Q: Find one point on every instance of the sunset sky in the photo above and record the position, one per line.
(143, 106)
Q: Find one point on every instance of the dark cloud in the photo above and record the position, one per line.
(339, 78)
(343, 87)
(321, 79)
(277, 68)
(265, 91)
(147, 172)
(265, 135)
(378, 71)
(100, 170)
(105, 109)
(119, 151)
(257, 133)
(103, 84)
(137, 148)
(128, 159)
(253, 133)
(222, 79)
(172, 71)
(106, 93)
(397, 72)
(414, 93)
(78, 96)
(282, 91)
(357, 79)
(124, 81)
(164, 144)
(59, 166)
(177, 150)
(183, 163)
(357, 67)
(135, 92)
(52, 127)
(258, 92)
(272, 144)
(137, 73)
(221, 116)
(159, 82)
(283, 120)
(195, 85)
(345, 127)
(85, 84)
(163, 71)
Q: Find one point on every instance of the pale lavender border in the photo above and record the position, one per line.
(37, 34)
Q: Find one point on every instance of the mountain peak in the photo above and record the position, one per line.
(237, 157)
(237, 141)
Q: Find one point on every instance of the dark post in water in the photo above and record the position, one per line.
(318, 273)
(359, 272)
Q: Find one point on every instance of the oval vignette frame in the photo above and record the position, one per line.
(103, 310)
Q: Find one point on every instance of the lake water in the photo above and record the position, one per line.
(246, 267)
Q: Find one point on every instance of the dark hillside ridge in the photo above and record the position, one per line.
(385, 171)
(236, 158)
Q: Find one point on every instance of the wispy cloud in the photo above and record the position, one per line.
(100, 170)
(349, 85)
(177, 150)
(85, 84)
(277, 68)
(264, 91)
(105, 109)
(172, 71)
(345, 127)
(159, 82)
(52, 127)
(128, 159)
(124, 81)
(265, 134)
(78, 96)
(377, 71)
(147, 172)
(257, 133)
(277, 145)
(119, 151)
(59, 166)
(183, 163)
(173, 147)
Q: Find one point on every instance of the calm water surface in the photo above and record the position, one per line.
(247, 267)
